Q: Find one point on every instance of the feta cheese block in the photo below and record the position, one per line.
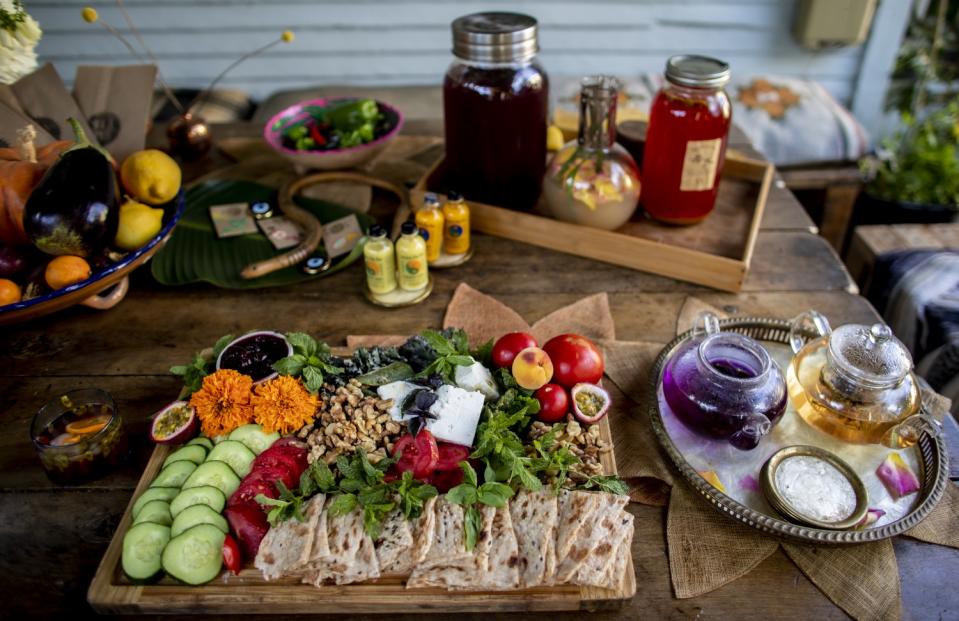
(478, 378)
(397, 391)
(457, 414)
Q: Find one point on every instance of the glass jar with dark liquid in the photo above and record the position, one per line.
(495, 104)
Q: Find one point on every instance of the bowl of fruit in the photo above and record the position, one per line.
(71, 227)
(332, 133)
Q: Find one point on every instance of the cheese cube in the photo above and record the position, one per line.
(477, 377)
(397, 391)
(457, 415)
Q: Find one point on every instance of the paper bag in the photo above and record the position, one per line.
(116, 102)
(46, 100)
(12, 121)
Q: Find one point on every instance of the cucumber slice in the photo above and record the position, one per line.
(193, 453)
(218, 439)
(174, 475)
(156, 511)
(154, 493)
(202, 441)
(203, 495)
(235, 454)
(198, 514)
(142, 550)
(195, 555)
(215, 473)
(253, 436)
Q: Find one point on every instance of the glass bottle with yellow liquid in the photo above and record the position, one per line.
(379, 256)
(856, 383)
(429, 219)
(456, 231)
(412, 265)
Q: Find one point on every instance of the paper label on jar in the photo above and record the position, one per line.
(699, 165)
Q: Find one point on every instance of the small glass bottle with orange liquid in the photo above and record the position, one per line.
(456, 231)
(429, 219)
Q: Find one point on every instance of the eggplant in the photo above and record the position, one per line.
(75, 209)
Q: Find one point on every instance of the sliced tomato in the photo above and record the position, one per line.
(270, 475)
(446, 480)
(248, 491)
(289, 441)
(291, 459)
(451, 455)
(231, 555)
(418, 455)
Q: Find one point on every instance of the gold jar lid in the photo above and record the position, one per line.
(778, 500)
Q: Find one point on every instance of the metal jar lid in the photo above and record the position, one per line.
(697, 71)
(495, 37)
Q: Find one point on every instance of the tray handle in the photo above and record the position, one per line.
(116, 295)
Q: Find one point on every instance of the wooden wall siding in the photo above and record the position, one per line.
(407, 42)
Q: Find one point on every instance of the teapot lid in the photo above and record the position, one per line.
(871, 354)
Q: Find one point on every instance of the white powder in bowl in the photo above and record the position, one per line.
(816, 488)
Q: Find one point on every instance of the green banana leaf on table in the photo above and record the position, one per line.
(195, 254)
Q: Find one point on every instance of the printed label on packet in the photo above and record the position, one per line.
(232, 220)
(282, 233)
(340, 236)
(699, 165)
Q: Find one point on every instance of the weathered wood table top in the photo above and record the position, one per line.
(52, 538)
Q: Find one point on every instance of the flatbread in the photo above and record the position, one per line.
(593, 534)
(575, 509)
(447, 561)
(286, 547)
(533, 517)
(616, 574)
(421, 530)
(395, 540)
(352, 556)
(595, 569)
(502, 556)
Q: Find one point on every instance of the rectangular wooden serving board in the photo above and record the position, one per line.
(248, 593)
(716, 252)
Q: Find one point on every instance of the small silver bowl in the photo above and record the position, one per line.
(780, 504)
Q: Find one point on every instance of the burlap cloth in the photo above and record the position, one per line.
(706, 549)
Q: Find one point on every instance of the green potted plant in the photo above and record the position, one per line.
(914, 176)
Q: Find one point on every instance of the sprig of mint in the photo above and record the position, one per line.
(287, 506)
(362, 484)
(498, 441)
(310, 360)
(469, 493)
(452, 352)
(200, 366)
(607, 483)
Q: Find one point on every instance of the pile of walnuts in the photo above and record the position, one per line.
(348, 419)
(584, 442)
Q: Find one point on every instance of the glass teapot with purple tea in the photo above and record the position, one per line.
(724, 385)
(856, 383)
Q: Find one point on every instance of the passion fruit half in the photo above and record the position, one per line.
(174, 424)
(590, 403)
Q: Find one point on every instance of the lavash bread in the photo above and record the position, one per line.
(499, 572)
(447, 561)
(594, 535)
(286, 547)
(395, 540)
(351, 555)
(534, 517)
(421, 530)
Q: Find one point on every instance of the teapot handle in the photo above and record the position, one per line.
(706, 323)
(802, 323)
(907, 432)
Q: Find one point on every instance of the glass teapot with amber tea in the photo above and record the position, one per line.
(856, 383)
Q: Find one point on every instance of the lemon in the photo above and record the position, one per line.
(554, 138)
(151, 176)
(139, 223)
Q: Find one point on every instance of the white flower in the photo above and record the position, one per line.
(17, 43)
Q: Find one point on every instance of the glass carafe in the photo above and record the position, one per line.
(592, 180)
(724, 385)
(856, 383)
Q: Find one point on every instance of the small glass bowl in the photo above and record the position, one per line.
(87, 456)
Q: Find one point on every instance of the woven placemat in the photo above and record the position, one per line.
(706, 549)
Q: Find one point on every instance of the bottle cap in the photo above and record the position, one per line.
(408, 228)
(431, 200)
(453, 196)
(495, 37)
(697, 71)
(376, 231)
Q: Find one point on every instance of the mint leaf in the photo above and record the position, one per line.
(462, 494)
(342, 504)
(303, 344)
(607, 483)
(494, 494)
(438, 342)
(179, 369)
(291, 365)
(322, 475)
(469, 473)
(312, 379)
(221, 344)
(459, 340)
(462, 361)
(473, 524)
(484, 353)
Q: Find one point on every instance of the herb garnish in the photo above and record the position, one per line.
(469, 493)
(200, 367)
(451, 352)
(310, 360)
(417, 406)
(607, 483)
(553, 461)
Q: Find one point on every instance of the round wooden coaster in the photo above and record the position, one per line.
(398, 298)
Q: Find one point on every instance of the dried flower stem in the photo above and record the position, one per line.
(203, 95)
(136, 33)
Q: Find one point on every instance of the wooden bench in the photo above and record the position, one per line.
(869, 242)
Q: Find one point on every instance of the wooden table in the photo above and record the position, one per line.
(51, 539)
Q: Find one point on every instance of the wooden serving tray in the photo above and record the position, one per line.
(715, 252)
(248, 593)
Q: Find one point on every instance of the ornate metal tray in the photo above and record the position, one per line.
(930, 451)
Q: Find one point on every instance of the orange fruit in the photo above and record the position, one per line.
(66, 270)
(9, 292)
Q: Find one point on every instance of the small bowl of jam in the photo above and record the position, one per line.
(79, 436)
(254, 354)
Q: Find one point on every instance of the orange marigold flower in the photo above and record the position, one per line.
(283, 405)
(223, 402)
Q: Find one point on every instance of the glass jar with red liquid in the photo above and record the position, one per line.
(495, 104)
(686, 141)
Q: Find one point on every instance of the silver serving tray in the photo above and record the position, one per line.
(934, 475)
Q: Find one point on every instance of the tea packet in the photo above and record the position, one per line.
(116, 102)
(45, 99)
(12, 122)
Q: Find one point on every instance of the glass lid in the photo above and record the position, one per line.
(870, 354)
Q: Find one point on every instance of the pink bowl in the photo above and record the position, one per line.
(349, 157)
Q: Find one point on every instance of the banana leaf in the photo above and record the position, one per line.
(195, 254)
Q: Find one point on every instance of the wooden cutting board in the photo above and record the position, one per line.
(248, 593)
